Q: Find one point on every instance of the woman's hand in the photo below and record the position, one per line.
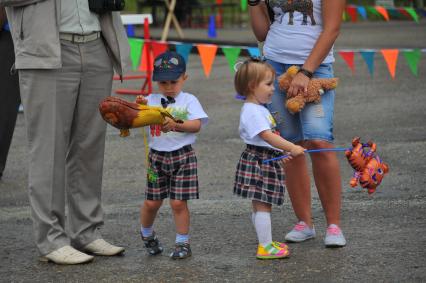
(299, 84)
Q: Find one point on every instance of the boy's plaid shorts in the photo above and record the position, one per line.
(258, 181)
(175, 175)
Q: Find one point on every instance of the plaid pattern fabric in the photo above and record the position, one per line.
(258, 181)
(176, 175)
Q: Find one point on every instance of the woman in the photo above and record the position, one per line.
(302, 32)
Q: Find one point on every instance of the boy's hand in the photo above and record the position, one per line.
(297, 150)
(140, 99)
(168, 125)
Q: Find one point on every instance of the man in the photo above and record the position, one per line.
(65, 56)
(9, 83)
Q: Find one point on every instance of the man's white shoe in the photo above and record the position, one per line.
(102, 247)
(67, 255)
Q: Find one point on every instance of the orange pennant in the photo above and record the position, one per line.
(382, 12)
(348, 56)
(207, 55)
(391, 57)
(159, 47)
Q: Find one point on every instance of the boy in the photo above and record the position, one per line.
(172, 168)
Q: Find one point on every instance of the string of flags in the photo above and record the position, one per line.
(352, 11)
(208, 52)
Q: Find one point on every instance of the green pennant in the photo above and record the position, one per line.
(231, 54)
(243, 5)
(136, 46)
(412, 13)
(413, 58)
(373, 11)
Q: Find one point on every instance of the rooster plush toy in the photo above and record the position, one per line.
(125, 115)
(316, 88)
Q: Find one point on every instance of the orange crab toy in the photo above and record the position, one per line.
(369, 168)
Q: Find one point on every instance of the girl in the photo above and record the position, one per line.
(262, 183)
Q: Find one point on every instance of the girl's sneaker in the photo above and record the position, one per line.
(334, 237)
(182, 250)
(281, 245)
(152, 244)
(301, 232)
(272, 251)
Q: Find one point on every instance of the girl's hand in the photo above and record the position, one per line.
(140, 99)
(169, 125)
(297, 150)
(299, 84)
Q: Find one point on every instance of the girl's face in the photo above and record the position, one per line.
(172, 88)
(262, 93)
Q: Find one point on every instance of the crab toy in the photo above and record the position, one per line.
(369, 168)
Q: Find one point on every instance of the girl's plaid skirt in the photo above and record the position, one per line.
(258, 181)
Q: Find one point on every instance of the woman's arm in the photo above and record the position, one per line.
(259, 20)
(332, 11)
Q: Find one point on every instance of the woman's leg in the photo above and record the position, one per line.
(326, 171)
(299, 188)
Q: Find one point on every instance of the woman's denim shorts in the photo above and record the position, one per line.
(315, 121)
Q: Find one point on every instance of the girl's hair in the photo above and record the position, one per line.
(249, 75)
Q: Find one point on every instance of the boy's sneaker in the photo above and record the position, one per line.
(272, 251)
(182, 250)
(301, 232)
(152, 244)
(334, 237)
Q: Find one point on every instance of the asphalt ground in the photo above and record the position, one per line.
(385, 232)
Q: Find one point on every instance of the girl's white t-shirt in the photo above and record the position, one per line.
(186, 107)
(254, 119)
(292, 43)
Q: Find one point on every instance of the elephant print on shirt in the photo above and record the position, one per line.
(290, 6)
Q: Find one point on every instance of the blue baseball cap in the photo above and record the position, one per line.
(168, 66)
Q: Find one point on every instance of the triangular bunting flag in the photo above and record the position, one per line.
(382, 11)
(362, 12)
(348, 56)
(391, 57)
(147, 60)
(243, 5)
(184, 49)
(352, 12)
(158, 47)
(135, 51)
(412, 13)
(231, 54)
(254, 51)
(373, 11)
(368, 57)
(207, 55)
(413, 58)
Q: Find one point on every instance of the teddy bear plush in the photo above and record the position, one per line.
(316, 88)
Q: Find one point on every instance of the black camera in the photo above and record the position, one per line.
(103, 6)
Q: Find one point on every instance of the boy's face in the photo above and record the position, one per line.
(172, 88)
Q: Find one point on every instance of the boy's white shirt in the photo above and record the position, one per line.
(186, 107)
(254, 119)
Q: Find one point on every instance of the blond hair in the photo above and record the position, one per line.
(249, 75)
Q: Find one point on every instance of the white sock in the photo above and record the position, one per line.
(253, 217)
(263, 227)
